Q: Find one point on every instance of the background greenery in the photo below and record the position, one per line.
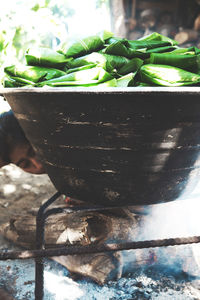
(47, 23)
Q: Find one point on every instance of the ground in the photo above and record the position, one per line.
(20, 191)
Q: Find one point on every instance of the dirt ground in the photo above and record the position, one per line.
(20, 192)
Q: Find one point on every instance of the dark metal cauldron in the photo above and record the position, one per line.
(116, 146)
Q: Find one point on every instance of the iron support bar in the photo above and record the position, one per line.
(40, 227)
(70, 250)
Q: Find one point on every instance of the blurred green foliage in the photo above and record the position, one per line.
(35, 23)
(27, 23)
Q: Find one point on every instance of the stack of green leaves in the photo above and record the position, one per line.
(106, 60)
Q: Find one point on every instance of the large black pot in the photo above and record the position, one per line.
(114, 146)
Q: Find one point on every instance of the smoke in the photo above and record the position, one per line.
(179, 218)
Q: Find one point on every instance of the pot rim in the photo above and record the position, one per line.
(102, 90)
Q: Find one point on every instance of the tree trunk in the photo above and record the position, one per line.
(118, 18)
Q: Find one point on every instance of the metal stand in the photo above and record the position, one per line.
(39, 266)
(41, 252)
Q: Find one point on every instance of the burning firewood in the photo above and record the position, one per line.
(80, 228)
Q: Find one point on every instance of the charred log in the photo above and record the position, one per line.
(81, 228)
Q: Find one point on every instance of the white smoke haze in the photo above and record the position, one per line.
(174, 219)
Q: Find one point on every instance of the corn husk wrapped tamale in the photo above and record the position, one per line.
(47, 57)
(80, 228)
(33, 73)
(165, 75)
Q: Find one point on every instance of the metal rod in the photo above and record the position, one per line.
(39, 266)
(70, 250)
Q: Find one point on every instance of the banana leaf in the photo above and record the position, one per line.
(105, 35)
(166, 49)
(10, 84)
(187, 62)
(82, 46)
(114, 39)
(10, 81)
(155, 36)
(83, 77)
(132, 66)
(83, 83)
(139, 83)
(120, 49)
(151, 44)
(94, 57)
(165, 75)
(106, 61)
(162, 49)
(189, 50)
(43, 56)
(115, 61)
(126, 80)
(33, 73)
(84, 67)
(136, 49)
(109, 83)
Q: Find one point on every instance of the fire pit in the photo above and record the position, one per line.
(164, 272)
(114, 146)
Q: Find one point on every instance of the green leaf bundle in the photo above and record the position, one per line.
(84, 77)
(107, 60)
(167, 75)
(46, 57)
(82, 46)
(33, 73)
(187, 62)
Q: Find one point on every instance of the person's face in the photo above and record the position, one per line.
(24, 157)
